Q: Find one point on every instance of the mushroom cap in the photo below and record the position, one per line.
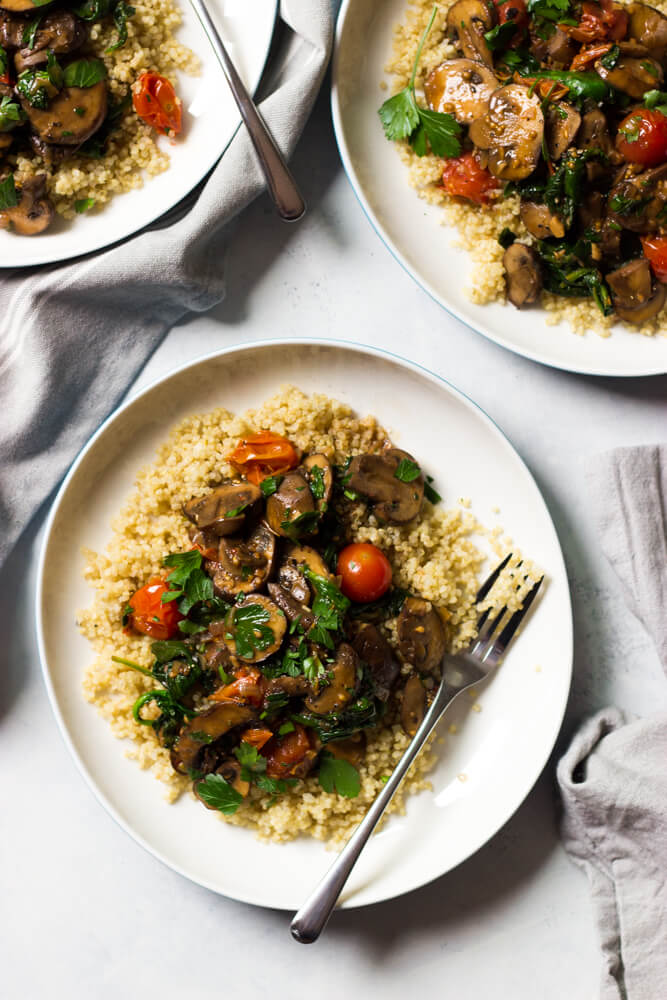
(648, 191)
(243, 566)
(511, 131)
(635, 299)
(211, 724)
(540, 221)
(343, 684)
(273, 620)
(460, 87)
(421, 635)
(374, 476)
(413, 705)
(224, 509)
(632, 76)
(523, 274)
(467, 21)
(61, 123)
(649, 27)
(291, 501)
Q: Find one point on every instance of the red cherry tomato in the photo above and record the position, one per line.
(516, 11)
(247, 688)
(284, 753)
(365, 572)
(599, 22)
(463, 177)
(149, 615)
(264, 454)
(655, 250)
(155, 100)
(642, 137)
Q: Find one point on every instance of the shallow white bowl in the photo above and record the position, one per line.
(412, 231)
(484, 771)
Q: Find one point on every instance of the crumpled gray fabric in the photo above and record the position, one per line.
(73, 337)
(613, 778)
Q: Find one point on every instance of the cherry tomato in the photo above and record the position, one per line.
(365, 572)
(150, 615)
(257, 737)
(598, 22)
(516, 11)
(155, 100)
(586, 56)
(284, 753)
(642, 137)
(462, 176)
(655, 250)
(246, 689)
(262, 455)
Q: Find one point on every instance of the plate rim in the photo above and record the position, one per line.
(346, 345)
(355, 184)
(62, 257)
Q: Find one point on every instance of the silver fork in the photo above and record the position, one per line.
(459, 673)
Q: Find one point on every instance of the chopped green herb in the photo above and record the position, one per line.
(83, 205)
(8, 195)
(269, 485)
(506, 238)
(251, 633)
(339, 775)
(407, 471)
(219, 794)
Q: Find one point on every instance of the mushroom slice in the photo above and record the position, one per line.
(373, 649)
(413, 705)
(511, 131)
(204, 729)
(540, 221)
(224, 510)
(561, 124)
(293, 610)
(308, 558)
(230, 770)
(633, 76)
(467, 21)
(34, 212)
(594, 132)
(649, 27)
(60, 31)
(635, 300)
(292, 576)
(639, 201)
(460, 87)
(243, 566)
(72, 116)
(374, 476)
(343, 684)
(293, 687)
(523, 275)
(560, 48)
(255, 629)
(421, 635)
(320, 476)
(291, 511)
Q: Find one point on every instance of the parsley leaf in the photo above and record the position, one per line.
(330, 605)
(338, 774)
(407, 471)
(270, 485)
(219, 794)
(8, 195)
(83, 204)
(317, 486)
(303, 524)
(250, 633)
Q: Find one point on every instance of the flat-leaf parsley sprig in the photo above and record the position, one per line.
(402, 118)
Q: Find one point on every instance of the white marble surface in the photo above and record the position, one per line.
(85, 912)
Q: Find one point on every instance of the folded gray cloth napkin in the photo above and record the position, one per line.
(73, 337)
(613, 778)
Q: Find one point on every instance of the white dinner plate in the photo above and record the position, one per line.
(412, 230)
(484, 771)
(210, 121)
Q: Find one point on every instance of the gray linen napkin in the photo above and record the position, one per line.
(73, 337)
(613, 778)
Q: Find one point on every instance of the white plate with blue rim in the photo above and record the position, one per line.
(210, 121)
(412, 229)
(484, 770)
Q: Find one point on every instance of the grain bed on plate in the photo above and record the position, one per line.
(479, 228)
(436, 556)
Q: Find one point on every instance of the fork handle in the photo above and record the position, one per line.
(281, 184)
(311, 919)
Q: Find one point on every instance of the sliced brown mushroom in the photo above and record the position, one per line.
(374, 650)
(72, 116)
(540, 221)
(230, 770)
(460, 87)
(304, 557)
(632, 76)
(421, 635)
(293, 687)
(343, 684)
(255, 629)
(292, 608)
(351, 749)
(225, 509)
(204, 729)
(635, 299)
(51, 154)
(649, 27)
(594, 132)
(639, 201)
(243, 565)
(374, 476)
(560, 49)
(511, 131)
(467, 21)
(413, 705)
(11, 30)
(59, 32)
(291, 510)
(561, 126)
(523, 275)
(34, 212)
(320, 475)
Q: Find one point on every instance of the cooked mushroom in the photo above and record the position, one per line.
(206, 727)
(34, 212)
(561, 125)
(300, 558)
(291, 607)
(49, 152)
(72, 116)
(374, 476)
(632, 76)
(230, 770)
(60, 31)
(11, 31)
(224, 510)
(560, 49)
(421, 635)
(523, 275)
(460, 87)
(540, 221)
(635, 300)
(255, 628)
(374, 650)
(511, 131)
(413, 705)
(467, 21)
(350, 749)
(649, 27)
(320, 475)
(293, 687)
(639, 201)
(291, 511)
(594, 132)
(342, 686)
(243, 566)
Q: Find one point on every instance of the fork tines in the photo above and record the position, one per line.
(488, 645)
